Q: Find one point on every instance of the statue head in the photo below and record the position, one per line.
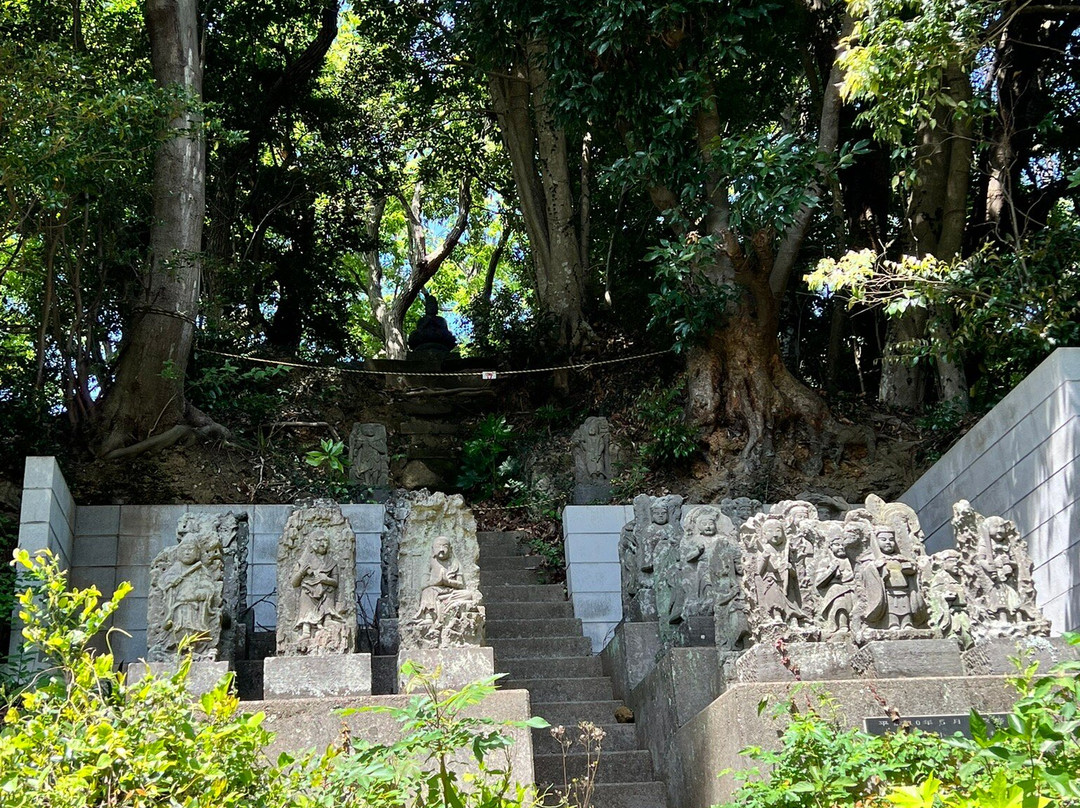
(949, 562)
(854, 533)
(320, 545)
(999, 531)
(706, 523)
(441, 548)
(837, 546)
(189, 551)
(658, 512)
(772, 531)
(431, 305)
(886, 539)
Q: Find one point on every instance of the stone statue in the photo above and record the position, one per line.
(595, 458)
(889, 580)
(740, 509)
(947, 598)
(774, 596)
(186, 599)
(731, 621)
(449, 614)
(432, 334)
(998, 575)
(802, 529)
(439, 599)
(369, 463)
(629, 556)
(835, 580)
(316, 568)
(660, 533)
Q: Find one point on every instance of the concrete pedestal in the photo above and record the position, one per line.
(303, 677)
(630, 656)
(453, 668)
(202, 677)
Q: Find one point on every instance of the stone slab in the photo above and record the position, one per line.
(630, 656)
(304, 724)
(593, 607)
(304, 677)
(712, 740)
(593, 578)
(590, 494)
(202, 677)
(595, 519)
(591, 547)
(94, 551)
(453, 668)
(806, 661)
(365, 519)
(996, 657)
(683, 683)
(900, 659)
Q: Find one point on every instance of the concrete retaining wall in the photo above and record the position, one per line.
(1021, 461)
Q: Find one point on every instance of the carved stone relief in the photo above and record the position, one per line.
(316, 583)
(369, 460)
(439, 600)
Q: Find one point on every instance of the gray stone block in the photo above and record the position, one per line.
(128, 647)
(130, 615)
(156, 522)
(806, 661)
(593, 578)
(368, 548)
(94, 551)
(304, 677)
(305, 724)
(592, 547)
(262, 579)
(202, 676)
(603, 607)
(270, 519)
(264, 613)
(134, 551)
(365, 518)
(452, 668)
(594, 519)
(903, 659)
(42, 472)
(263, 548)
(40, 505)
(36, 536)
(997, 656)
(97, 520)
(630, 656)
(368, 578)
(599, 634)
(104, 578)
(590, 494)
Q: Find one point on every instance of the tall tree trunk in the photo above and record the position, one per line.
(554, 221)
(148, 392)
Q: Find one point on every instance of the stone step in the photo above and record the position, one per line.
(510, 562)
(539, 648)
(571, 667)
(617, 738)
(633, 766)
(569, 713)
(522, 593)
(592, 688)
(620, 795)
(509, 610)
(500, 535)
(560, 627)
(497, 578)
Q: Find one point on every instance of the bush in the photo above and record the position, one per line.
(659, 411)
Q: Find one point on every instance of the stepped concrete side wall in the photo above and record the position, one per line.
(106, 544)
(1021, 461)
(593, 579)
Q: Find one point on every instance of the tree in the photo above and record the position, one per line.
(148, 390)
(711, 106)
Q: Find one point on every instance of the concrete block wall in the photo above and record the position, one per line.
(593, 578)
(47, 518)
(1021, 461)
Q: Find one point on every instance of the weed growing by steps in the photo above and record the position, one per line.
(577, 792)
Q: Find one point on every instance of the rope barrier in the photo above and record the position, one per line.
(484, 374)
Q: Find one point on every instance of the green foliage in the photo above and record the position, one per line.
(660, 412)
(416, 770)
(486, 464)
(334, 457)
(507, 326)
(239, 397)
(82, 735)
(1029, 761)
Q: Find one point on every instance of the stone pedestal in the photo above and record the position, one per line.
(202, 677)
(311, 677)
(909, 659)
(453, 668)
(800, 661)
(996, 656)
(591, 494)
(630, 655)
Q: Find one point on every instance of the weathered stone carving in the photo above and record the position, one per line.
(770, 579)
(740, 509)
(186, 599)
(835, 581)
(654, 529)
(947, 598)
(731, 622)
(200, 586)
(439, 598)
(892, 598)
(629, 560)
(683, 576)
(997, 575)
(316, 573)
(398, 505)
(369, 461)
(595, 458)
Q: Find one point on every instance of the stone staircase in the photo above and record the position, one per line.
(539, 643)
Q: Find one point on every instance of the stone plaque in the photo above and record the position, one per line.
(938, 724)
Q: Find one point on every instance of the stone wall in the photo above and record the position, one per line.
(1022, 461)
